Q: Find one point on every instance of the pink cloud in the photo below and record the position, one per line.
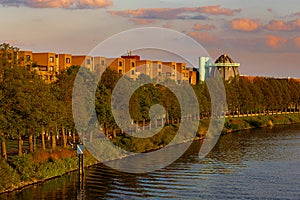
(200, 27)
(203, 37)
(71, 4)
(176, 13)
(217, 10)
(297, 42)
(270, 9)
(275, 42)
(244, 24)
(280, 25)
(138, 21)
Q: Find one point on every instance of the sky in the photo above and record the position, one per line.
(262, 35)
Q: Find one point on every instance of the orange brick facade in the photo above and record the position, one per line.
(49, 64)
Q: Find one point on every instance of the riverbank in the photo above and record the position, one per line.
(244, 123)
(20, 172)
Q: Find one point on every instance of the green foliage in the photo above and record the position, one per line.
(8, 176)
(24, 166)
(56, 167)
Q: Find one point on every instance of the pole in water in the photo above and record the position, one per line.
(80, 170)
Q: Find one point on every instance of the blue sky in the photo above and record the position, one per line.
(264, 36)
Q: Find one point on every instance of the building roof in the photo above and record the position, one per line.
(225, 60)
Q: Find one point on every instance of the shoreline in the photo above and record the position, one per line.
(242, 121)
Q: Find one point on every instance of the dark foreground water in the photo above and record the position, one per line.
(255, 164)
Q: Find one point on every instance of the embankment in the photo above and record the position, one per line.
(29, 169)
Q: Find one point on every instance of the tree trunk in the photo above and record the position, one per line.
(106, 132)
(43, 139)
(30, 143)
(91, 136)
(64, 138)
(3, 149)
(53, 141)
(114, 133)
(34, 143)
(74, 138)
(144, 124)
(20, 145)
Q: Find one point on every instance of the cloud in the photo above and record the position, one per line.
(203, 37)
(176, 13)
(270, 10)
(244, 24)
(280, 25)
(70, 4)
(138, 21)
(297, 42)
(275, 42)
(206, 27)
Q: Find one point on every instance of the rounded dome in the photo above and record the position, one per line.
(224, 59)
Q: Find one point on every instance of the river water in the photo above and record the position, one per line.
(254, 164)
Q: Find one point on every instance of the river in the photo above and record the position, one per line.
(253, 164)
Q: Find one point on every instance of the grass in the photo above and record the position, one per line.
(29, 168)
(241, 123)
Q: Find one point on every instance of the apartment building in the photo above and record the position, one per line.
(117, 64)
(25, 59)
(65, 61)
(100, 64)
(46, 64)
(169, 71)
(84, 61)
(131, 66)
(49, 64)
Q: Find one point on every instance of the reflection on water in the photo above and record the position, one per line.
(261, 163)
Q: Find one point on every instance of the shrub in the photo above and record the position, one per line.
(8, 176)
(25, 166)
(255, 123)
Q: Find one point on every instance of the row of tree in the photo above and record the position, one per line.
(31, 108)
(262, 95)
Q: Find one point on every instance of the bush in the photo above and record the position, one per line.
(8, 176)
(255, 123)
(25, 166)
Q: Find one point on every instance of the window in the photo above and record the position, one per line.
(43, 68)
(132, 72)
(132, 64)
(51, 68)
(120, 72)
(88, 61)
(9, 56)
(102, 62)
(28, 57)
(159, 66)
(51, 59)
(45, 77)
(68, 60)
(159, 73)
(51, 78)
(120, 63)
(173, 66)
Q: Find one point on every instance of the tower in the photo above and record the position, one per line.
(204, 63)
(227, 67)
